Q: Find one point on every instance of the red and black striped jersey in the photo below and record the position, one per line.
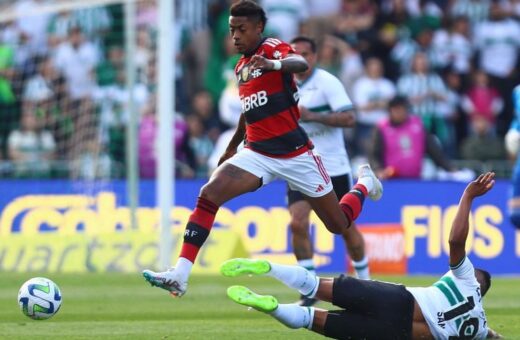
(269, 104)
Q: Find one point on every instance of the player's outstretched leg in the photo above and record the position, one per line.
(294, 277)
(367, 185)
(365, 176)
(291, 315)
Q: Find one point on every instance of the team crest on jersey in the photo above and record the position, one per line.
(246, 73)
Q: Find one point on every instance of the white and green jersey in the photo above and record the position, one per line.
(452, 307)
(323, 93)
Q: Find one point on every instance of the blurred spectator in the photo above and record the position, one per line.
(8, 108)
(400, 143)
(482, 100)
(59, 27)
(92, 162)
(148, 140)
(230, 110)
(475, 10)
(147, 14)
(77, 58)
(406, 49)
(202, 106)
(483, 145)
(371, 95)
(109, 68)
(46, 91)
(449, 110)
(200, 145)
(354, 23)
(498, 41)
(143, 54)
(33, 23)
(453, 47)
(95, 23)
(30, 148)
(425, 90)
(320, 8)
(112, 100)
(285, 17)
(339, 58)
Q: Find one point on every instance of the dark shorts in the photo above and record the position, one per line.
(371, 310)
(341, 184)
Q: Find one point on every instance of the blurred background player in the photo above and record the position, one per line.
(276, 146)
(513, 147)
(449, 309)
(325, 110)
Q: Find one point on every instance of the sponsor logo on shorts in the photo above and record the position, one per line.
(320, 188)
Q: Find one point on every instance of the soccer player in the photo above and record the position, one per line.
(512, 141)
(449, 309)
(275, 146)
(325, 110)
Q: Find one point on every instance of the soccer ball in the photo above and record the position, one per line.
(39, 298)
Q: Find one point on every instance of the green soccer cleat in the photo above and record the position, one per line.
(236, 267)
(244, 296)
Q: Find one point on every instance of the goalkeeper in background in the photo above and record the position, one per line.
(449, 309)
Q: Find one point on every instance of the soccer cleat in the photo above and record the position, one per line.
(236, 267)
(377, 190)
(244, 296)
(306, 301)
(168, 280)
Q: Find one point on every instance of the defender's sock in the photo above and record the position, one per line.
(197, 231)
(352, 202)
(308, 264)
(295, 277)
(361, 268)
(294, 316)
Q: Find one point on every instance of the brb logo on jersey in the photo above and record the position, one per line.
(254, 100)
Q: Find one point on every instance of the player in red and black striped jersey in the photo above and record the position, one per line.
(275, 145)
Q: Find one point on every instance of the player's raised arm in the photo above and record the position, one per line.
(235, 141)
(292, 63)
(460, 226)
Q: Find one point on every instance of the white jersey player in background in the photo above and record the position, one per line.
(325, 110)
(449, 309)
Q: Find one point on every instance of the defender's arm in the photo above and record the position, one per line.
(460, 226)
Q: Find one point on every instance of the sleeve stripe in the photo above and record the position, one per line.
(458, 264)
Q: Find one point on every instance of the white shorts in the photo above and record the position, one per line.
(304, 173)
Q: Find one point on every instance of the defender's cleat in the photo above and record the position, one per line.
(377, 191)
(236, 267)
(244, 296)
(168, 280)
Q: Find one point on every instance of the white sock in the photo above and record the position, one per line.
(367, 182)
(294, 316)
(361, 268)
(295, 277)
(183, 267)
(308, 264)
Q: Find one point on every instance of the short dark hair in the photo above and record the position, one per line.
(398, 101)
(487, 281)
(249, 9)
(307, 40)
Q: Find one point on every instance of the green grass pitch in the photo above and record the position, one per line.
(117, 306)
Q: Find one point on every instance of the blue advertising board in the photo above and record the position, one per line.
(421, 210)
